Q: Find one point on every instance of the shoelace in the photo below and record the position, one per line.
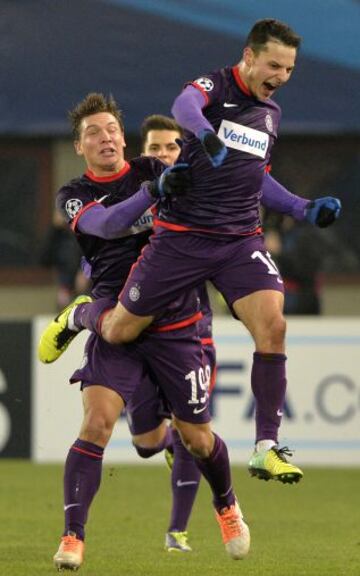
(230, 523)
(70, 543)
(182, 538)
(281, 452)
(65, 335)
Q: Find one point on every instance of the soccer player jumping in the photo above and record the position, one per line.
(214, 233)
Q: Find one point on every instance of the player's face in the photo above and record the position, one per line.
(101, 143)
(162, 144)
(266, 71)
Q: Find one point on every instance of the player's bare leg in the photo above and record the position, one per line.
(118, 326)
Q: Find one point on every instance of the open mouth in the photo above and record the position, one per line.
(270, 87)
(107, 151)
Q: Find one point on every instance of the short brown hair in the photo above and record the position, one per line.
(158, 122)
(270, 29)
(93, 103)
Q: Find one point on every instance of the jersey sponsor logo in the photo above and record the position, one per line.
(73, 206)
(146, 220)
(205, 83)
(244, 138)
(142, 224)
(134, 293)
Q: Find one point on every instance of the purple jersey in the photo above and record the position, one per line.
(225, 200)
(110, 260)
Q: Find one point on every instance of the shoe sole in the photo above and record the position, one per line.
(62, 568)
(62, 565)
(177, 550)
(287, 478)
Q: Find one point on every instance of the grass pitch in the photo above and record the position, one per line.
(308, 529)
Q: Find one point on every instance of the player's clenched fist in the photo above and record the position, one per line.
(323, 211)
(214, 147)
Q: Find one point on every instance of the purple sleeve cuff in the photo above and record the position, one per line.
(187, 111)
(277, 198)
(111, 222)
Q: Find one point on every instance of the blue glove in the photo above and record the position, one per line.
(215, 149)
(323, 212)
(174, 181)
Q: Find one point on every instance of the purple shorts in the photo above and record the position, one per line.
(172, 362)
(117, 367)
(148, 406)
(174, 262)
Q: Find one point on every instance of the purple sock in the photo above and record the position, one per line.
(148, 452)
(185, 478)
(87, 315)
(216, 470)
(268, 383)
(81, 482)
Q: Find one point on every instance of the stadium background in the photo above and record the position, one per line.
(53, 53)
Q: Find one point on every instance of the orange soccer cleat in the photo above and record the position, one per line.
(235, 532)
(70, 554)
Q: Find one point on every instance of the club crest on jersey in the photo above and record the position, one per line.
(269, 122)
(243, 138)
(134, 293)
(73, 206)
(205, 83)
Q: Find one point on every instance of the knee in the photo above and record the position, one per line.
(199, 444)
(278, 328)
(97, 428)
(146, 452)
(271, 334)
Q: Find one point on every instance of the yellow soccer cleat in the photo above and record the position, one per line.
(272, 465)
(235, 532)
(70, 555)
(177, 542)
(169, 459)
(57, 336)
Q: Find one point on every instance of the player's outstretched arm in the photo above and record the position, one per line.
(321, 212)
(111, 222)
